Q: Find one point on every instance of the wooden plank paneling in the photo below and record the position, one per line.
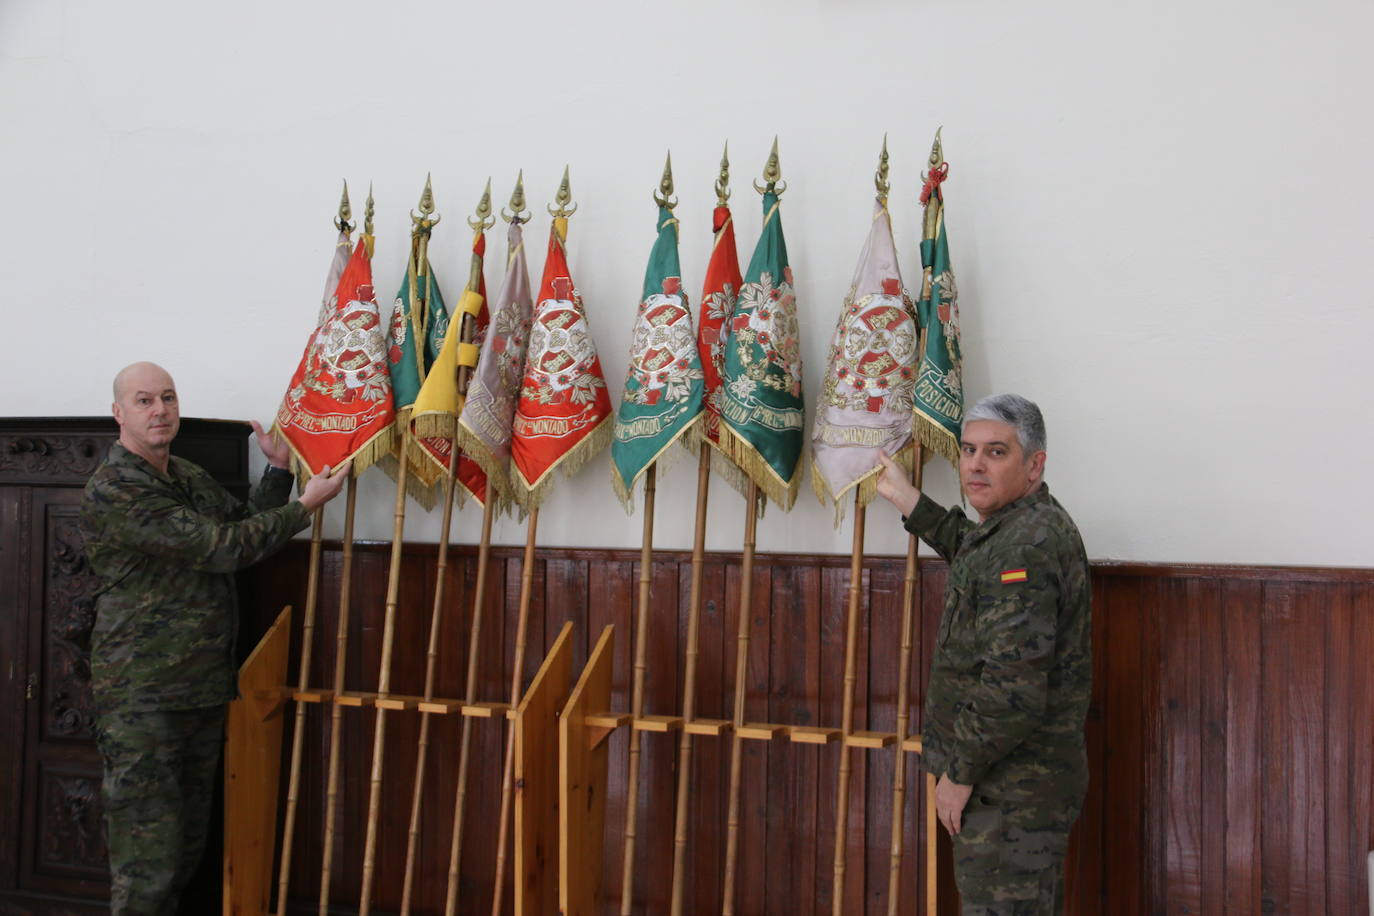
(1229, 736)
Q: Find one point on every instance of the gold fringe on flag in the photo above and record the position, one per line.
(753, 465)
(936, 439)
(529, 498)
(666, 458)
(867, 484)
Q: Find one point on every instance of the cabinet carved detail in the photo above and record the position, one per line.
(70, 616)
(50, 456)
(73, 833)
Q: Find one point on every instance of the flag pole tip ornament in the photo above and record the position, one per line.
(880, 177)
(772, 175)
(483, 219)
(563, 198)
(369, 210)
(342, 221)
(425, 218)
(723, 180)
(664, 195)
(517, 213)
(664, 384)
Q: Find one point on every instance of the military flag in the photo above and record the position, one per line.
(338, 406)
(484, 428)
(718, 297)
(865, 402)
(664, 385)
(433, 416)
(938, 402)
(762, 410)
(563, 416)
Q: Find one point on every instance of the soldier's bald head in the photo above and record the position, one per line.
(143, 376)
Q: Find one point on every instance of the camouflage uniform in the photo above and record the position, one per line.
(162, 654)
(1008, 692)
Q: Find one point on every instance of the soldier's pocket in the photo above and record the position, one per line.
(977, 848)
(955, 600)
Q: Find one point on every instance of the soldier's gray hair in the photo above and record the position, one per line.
(1013, 410)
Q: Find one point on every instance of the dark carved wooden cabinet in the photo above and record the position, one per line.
(52, 844)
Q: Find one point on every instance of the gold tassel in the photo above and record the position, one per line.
(434, 425)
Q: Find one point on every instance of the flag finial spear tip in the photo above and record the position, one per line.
(518, 214)
(345, 212)
(937, 152)
(563, 198)
(880, 176)
(664, 195)
(423, 219)
(484, 219)
(772, 174)
(723, 181)
(369, 209)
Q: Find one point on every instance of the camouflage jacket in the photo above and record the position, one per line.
(165, 547)
(1012, 673)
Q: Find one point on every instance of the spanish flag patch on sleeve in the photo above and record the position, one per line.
(1013, 575)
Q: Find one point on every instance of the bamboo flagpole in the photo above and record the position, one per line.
(496, 408)
(516, 678)
(646, 574)
(746, 600)
(911, 591)
(689, 682)
(336, 710)
(466, 332)
(312, 585)
(856, 562)
(424, 222)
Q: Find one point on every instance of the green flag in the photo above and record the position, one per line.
(664, 386)
(418, 325)
(938, 403)
(762, 413)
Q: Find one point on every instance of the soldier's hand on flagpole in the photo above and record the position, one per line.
(894, 485)
(276, 451)
(324, 486)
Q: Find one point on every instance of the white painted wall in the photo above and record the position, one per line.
(1161, 217)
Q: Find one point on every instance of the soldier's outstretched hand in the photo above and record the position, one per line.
(276, 451)
(324, 486)
(894, 485)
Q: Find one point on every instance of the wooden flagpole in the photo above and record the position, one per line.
(751, 509)
(312, 585)
(856, 562)
(464, 372)
(424, 222)
(910, 601)
(646, 575)
(508, 769)
(516, 214)
(336, 710)
(689, 684)
(298, 734)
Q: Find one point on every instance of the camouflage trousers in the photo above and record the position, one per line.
(1009, 857)
(158, 787)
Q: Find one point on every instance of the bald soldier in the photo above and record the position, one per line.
(1012, 672)
(165, 540)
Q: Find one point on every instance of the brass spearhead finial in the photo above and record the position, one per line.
(518, 214)
(341, 222)
(563, 198)
(880, 176)
(369, 209)
(772, 174)
(484, 219)
(937, 152)
(422, 219)
(723, 182)
(664, 195)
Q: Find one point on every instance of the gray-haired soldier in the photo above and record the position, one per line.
(1012, 674)
(165, 539)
